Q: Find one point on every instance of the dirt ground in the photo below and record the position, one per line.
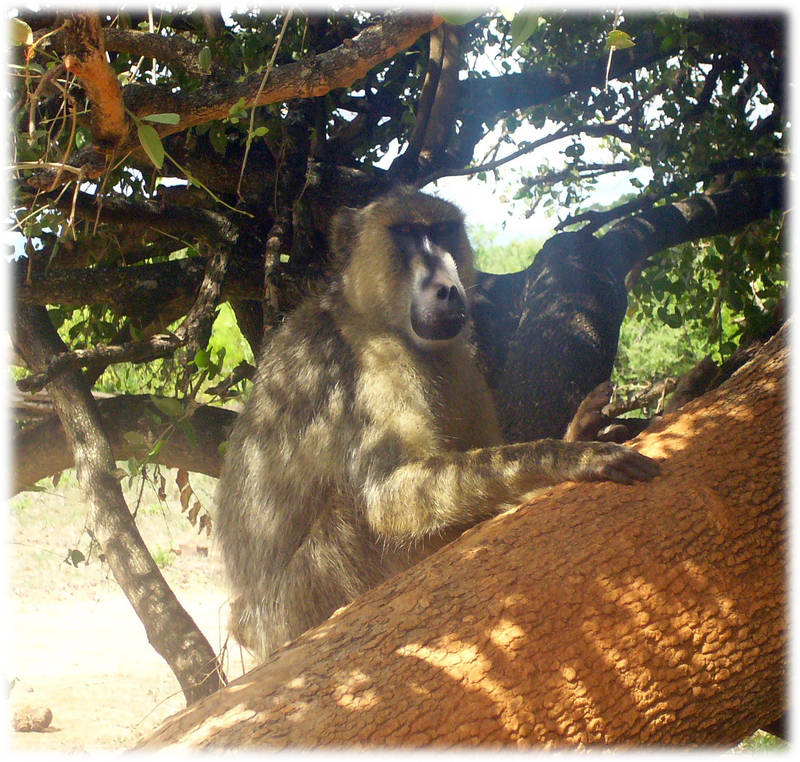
(76, 645)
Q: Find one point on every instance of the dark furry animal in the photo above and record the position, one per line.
(370, 437)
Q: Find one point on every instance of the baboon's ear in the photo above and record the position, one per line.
(344, 229)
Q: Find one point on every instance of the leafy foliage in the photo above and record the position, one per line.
(724, 286)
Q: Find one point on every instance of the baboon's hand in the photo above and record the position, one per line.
(612, 462)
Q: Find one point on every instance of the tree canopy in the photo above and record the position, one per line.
(173, 168)
(151, 139)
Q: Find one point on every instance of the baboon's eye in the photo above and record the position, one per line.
(445, 234)
(408, 238)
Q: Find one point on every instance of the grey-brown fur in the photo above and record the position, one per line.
(363, 446)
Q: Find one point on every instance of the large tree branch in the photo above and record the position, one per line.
(574, 295)
(309, 78)
(596, 219)
(482, 101)
(42, 450)
(155, 289)
(597, 614)
(173, 50)
(662, 227)
(193, 333)
(537, 85)
(164, 218)
(437, 103)
(327, 71)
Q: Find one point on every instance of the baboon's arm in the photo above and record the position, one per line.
(451, 489)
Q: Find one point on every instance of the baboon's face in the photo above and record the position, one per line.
(411, 266)
(438, 303)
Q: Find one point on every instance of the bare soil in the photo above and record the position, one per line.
(76, 645)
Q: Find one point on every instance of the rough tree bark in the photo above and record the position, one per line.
(595, 614)
(86, 59)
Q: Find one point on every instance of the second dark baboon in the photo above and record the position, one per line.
(370, 437)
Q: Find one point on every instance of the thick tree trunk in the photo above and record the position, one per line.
(596, 614)
(549, 334)
(565, 342)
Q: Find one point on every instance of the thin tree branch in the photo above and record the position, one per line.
(196, 328)
(596, 219)
(526, 148)
(427, 96)
(267, 71)
(633, 240)
(169, 628)
(135, 351)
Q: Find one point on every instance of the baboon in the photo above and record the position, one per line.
(370, 438)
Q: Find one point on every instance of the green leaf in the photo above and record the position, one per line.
(204, 59)
(20, 32)
(168, 118)
(457, 17)
(151, 143)
(619, 40)
(82, 137)
(201, 359)
(237, 107)
(156, 449)
(523, 26)
(169, 406)
(217, 138)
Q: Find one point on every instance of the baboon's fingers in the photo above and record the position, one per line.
(633, 466)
